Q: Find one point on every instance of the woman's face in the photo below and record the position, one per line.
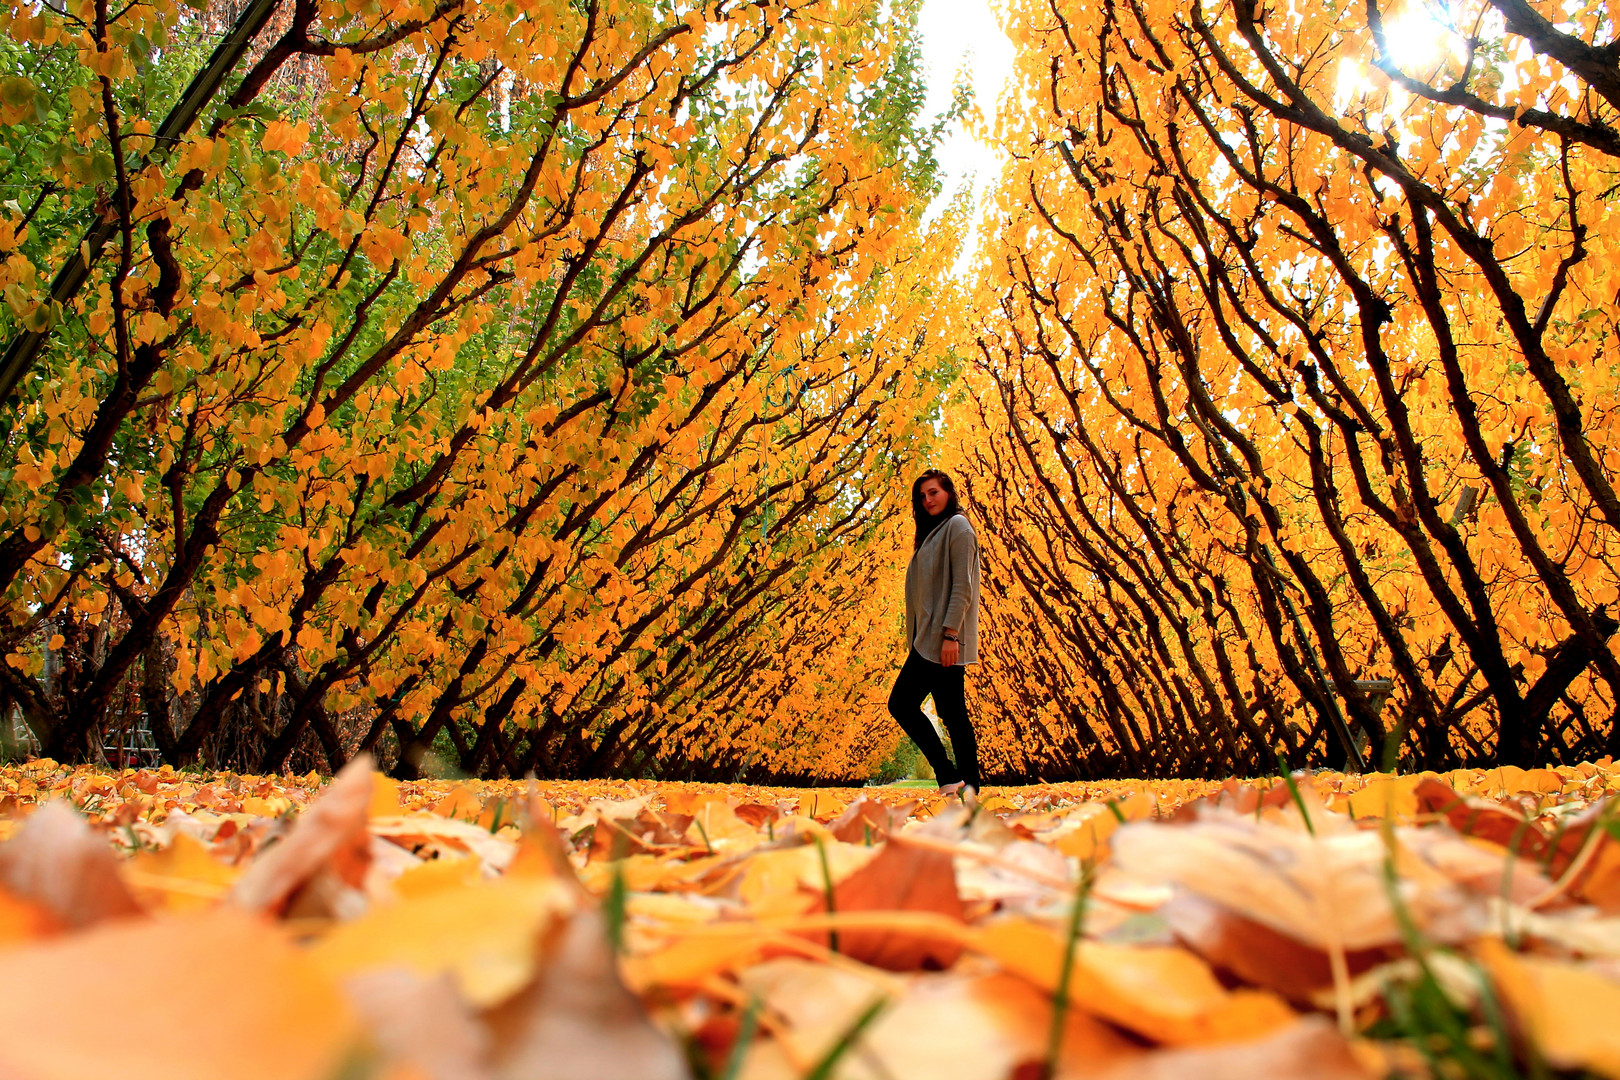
(934, 497)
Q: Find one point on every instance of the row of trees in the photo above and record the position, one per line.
(528, 385)
(1294, 374)
(539, 387)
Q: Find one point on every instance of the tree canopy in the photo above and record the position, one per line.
(538, 387)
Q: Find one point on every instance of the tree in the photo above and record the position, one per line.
(1293, 373)
(500, 380)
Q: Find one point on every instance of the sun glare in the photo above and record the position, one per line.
(1416, 39)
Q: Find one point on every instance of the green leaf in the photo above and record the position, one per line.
(102, 169)
(16, 92)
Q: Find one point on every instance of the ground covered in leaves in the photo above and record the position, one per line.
(162, 924)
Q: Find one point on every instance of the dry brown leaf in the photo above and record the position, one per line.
(58, 863)
(326, 854)
(576, 1020)
(901, 877)
(1308, 1049)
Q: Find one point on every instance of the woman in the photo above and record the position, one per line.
(942, 631)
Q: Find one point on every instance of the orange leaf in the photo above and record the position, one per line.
(1568, 1010)
(272, 1016)
(902, 877)
(1164, 993)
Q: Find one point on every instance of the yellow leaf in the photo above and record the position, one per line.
(273, 1017)
(1568, 1010)
(1386, 796)
(486, 937)
(384, 797)
(184, 876)
(1164, 993)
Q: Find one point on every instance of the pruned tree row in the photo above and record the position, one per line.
(1294, 375)
(520, 386)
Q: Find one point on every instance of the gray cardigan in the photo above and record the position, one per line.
(942, 589)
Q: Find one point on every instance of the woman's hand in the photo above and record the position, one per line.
(948, 652)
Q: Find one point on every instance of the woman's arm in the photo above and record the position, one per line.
(964, 554)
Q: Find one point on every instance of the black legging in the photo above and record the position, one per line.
(920, 678)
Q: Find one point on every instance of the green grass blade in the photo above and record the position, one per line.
(746, 1034)
(827, 891)
(1060, 995)
(829, 1061)
(1293, 789)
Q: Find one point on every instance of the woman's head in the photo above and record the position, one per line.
(933, 501)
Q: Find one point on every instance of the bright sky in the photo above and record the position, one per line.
(964, 37)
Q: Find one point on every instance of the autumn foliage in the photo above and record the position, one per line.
(1292, 389)
(529, 386)
(164, 924)
(535, 388)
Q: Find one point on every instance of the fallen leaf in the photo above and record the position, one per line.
(718, 828)
(59, 864)
(1308, 1049)
(270, 1014)
(1161, 993)
(1255, 954)
(420, 1023)
(690, 962)
(1391, 797)
(22, 921)
(326, 853)
(430, 836)
(1568, 1011)
(980, 1027)
(184, 876)
(866, 821)
(770, 880)
(1482, 819)
(385, 797)
(576, 1020)
(1326, 890)
(820, 806)
(902, 877)
(484, 936)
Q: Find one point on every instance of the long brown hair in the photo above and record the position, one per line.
(926, 522)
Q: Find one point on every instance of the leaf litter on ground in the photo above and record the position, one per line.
(166, 924)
